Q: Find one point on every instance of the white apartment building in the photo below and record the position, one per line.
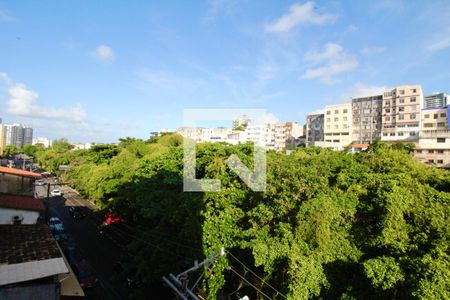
(401, 114)
(194, 133)
(280, 137)
(433, 146)
(337, 126)
(216, 134)
(43, 141)
(262, 135)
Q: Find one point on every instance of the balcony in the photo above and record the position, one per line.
(445, 133)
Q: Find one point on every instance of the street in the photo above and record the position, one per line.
(101, 251)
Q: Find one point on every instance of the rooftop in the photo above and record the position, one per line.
(18, 172)
(21, 202)
(28, 252)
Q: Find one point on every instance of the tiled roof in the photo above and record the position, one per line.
(21, 202)
(360, 145)
(18, 172)
(28, 252)
(24, 243)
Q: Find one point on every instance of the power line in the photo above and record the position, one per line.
(262, 280)
(243, 278)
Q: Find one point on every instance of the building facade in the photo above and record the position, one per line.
(436, 100)
(401, 114)
(367, 120)
(338, 126)
(17, 135)
(433, 146)
(314, 129)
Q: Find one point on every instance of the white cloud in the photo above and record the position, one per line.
(299, 14)
(22, 102)
(5, 16)
(363, 90)
(216, 7)
(440, 41)
(329, 63)
(267, 118)
(104, 54)
(4, 78)
(372, 50)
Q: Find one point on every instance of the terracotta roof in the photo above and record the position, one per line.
(360, 145)
(21, 202)
(25, 243)
(18, 172)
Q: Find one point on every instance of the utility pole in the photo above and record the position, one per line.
(179, 284)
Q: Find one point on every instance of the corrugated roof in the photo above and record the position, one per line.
(21, 202)
(18, 172)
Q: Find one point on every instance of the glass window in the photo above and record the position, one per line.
(435, 116)
(441, 124)
(400, 134)
(401, 108)
(402, 92)
(443, 115)
(345, 118)
(401, 117)
(418, 151)
(431, 151)
(328, 119)
(413, 99)
(336, 126)
(441, 140)
(388, 110)
(427, 116)
(336, 111)
(440, 161)
(412, 116)
(336, 119)
(345, 111)
(402, 100)
(328, 112)
(387, 119)
(412, 133)
(440, 151)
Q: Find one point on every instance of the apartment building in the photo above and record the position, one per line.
(401, 113)
(436, 100)
(314, 129)
(433, 146)
(293, 129)
(280, 137)
(241, 121)
(338, 126)
(215, 134)
(367, 119)
(194, 133)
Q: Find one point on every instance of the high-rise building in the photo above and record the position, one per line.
(367, 118)
(436, 100)
(314, 129)
(433, 146)
(280, 137)
(337, 126)
(401, 113)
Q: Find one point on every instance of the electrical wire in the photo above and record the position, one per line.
(262, 280)
(243, 278)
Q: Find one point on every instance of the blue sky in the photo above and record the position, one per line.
(100, 70)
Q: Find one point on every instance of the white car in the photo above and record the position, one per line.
(56, 192)
(54, 223)
(39, 182)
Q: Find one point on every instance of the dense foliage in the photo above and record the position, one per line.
(330, 225)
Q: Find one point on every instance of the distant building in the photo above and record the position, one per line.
(367, 118)
(337, 126)
(314, 129)
(433, 146)
(215, 134)
(193, 133)
(42, 141)
(436, 100)
(401, 113)
(17, 135)
(242, 121)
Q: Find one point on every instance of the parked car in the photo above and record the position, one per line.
(56, 192)
(39, 182)
(55, 223)
(76, 213)
(85, 274)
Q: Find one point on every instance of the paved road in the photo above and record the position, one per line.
(101, 251)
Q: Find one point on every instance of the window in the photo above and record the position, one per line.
(428, 125)
(336, 119)
(400, 134)
(440, 161)
(335, 141)
(440, 151)
(412, 116)
(402, 92)
(328, 127)
(345, 111)
(427, 116)
(402, 100)
(443, 115)
(328, 119)
(385, 134)
(413, 91)
(441, 124)
(441, 140)
(392, 134)
(336, 111)
(388, 102)
(388, 110)
(401, 117)
(430, 161)
(328, 112)
(336, 126)
(387, 119)
(413, 99)
(435, 116)
(401, 108)
(412, 133)
(431, 151)
(345, 118)
(418, 151)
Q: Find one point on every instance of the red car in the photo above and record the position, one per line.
(112, 218)
(85, 275)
